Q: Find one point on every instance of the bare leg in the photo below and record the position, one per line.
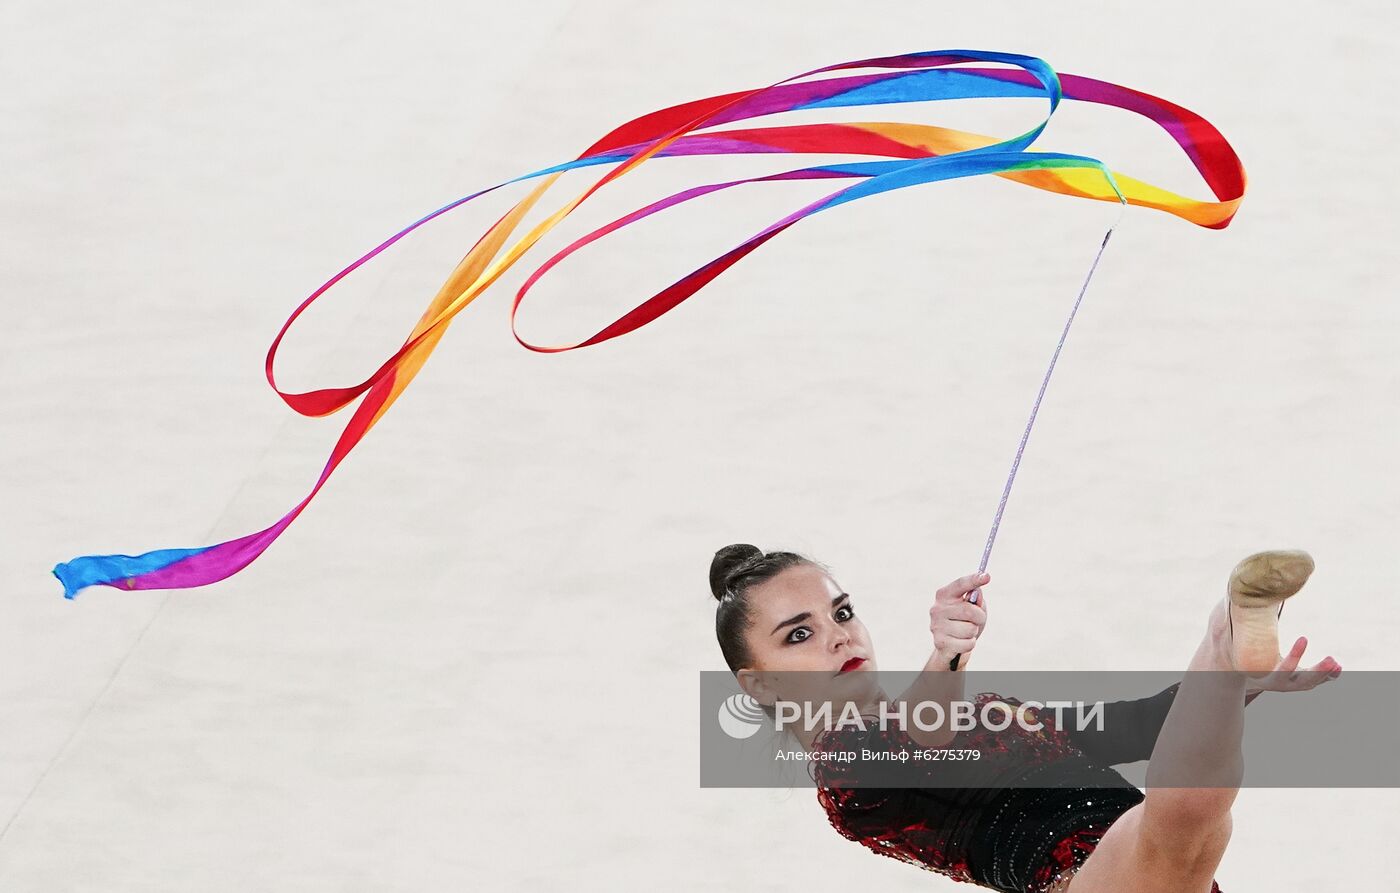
(1174, 840)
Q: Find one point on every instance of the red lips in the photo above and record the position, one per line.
(852, 664)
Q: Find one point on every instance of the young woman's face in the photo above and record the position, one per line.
(805, 640)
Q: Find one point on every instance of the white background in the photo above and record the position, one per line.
(472, 663)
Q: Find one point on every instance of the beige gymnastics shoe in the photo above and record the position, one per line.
(1258, 586)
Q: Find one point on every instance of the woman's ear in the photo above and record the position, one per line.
(756, 686)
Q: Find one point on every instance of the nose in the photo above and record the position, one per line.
(841, 637)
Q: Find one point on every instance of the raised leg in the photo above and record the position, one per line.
(1174, 840)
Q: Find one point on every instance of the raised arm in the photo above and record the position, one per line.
(955, 624)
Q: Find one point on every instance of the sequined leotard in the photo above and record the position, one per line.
(1008, 836)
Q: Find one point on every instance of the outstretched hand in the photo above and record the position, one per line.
(1286, 676)
(955, 619)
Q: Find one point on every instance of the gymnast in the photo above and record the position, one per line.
(1082, 828)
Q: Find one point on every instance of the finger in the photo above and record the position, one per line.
(1327, 666)
(946, 632)
(1324, 670)
(960, 629)
(966, 611)
(963, 585)
(958, 588)
(1290, 660)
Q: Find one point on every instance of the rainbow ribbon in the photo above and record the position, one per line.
(915, 154)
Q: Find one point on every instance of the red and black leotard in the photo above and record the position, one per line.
(1044, 800)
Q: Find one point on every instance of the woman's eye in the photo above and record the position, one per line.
(845, 612)
(800, 634)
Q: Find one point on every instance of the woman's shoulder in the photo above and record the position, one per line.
(872, 731)
(839, 752)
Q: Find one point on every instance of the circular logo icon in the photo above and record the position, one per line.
(740, 716)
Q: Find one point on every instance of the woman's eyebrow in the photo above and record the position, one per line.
(791, 620)
(805, 614)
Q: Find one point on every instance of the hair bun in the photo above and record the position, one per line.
(726, 561)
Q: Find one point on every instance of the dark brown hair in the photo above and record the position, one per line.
(735, 570)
